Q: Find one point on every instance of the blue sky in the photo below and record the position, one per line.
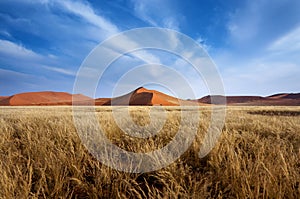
(254, 43)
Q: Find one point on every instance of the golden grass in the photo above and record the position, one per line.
(257, 156)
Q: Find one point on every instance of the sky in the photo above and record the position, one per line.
(255, 44)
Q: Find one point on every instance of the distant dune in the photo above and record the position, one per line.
(218, 99)
(285, 96)
(3, 98)
(101, 101)
(144, 97)
(286, 99)
(43, 98)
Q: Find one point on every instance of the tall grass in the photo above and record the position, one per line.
(257, 156)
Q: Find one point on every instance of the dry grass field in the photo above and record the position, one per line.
(257, 156)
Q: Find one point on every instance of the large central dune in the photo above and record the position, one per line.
(143, 96)
(146, 97)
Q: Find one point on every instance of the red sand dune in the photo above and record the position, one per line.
(285, 96)
(3, 97)
(3, 100)
(101, 101)
(274, 100)
(218, 99)
(142, 96)
(278, 96)
(42, 98)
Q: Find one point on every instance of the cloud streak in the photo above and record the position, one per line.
(16, 53)
(13, 50)
(85, 11)
(289, 42)
(156, 13)
(258, 23)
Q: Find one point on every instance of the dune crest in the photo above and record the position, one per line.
(42, 98)
(286, 99)
(144, 97)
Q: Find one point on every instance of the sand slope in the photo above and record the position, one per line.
(101, 101)
(285, 96)
(144, 97)
(42, 98)
(285, 99)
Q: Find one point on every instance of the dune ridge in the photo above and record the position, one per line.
(144, 97)
(43, 98)
(285, 99)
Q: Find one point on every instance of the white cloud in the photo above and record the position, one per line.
(4, 73)
(14, 82)
(261, 77)
(287, 43)
(60, 70)
(122, 44)
(5, 33)
(11, 49)
(156, 13)
(243, 24)
(258, 22)
(17, 21)
(146, 57)
(261, 56)
(171, 22)
(21, 56)
(141, 11)
(95, 26)
(18, 82)
(85, 11)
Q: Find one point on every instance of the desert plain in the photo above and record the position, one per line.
(256, 156)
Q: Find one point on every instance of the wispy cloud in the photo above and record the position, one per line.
(287, 43)
(18, 54)
(141, 11)
(256, 23)
(17, 21)
(261, 78)
(14, 81)
(14, 50)
(71, 44)
(156, 13)
(261, 55)
(84, 10)
(17, 82)
(59, 70)
(5, 33)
